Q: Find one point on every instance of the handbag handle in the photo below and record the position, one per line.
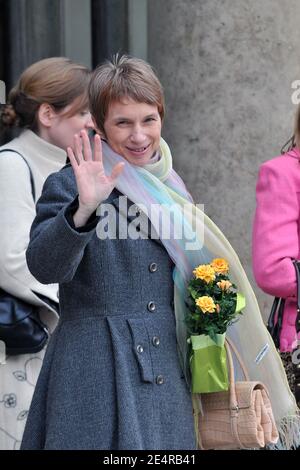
(232, 394)
(238, 356)
(274, 327)
(271, 319)
(274, 324)
(297, 269)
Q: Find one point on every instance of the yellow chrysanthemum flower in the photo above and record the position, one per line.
(206, 304)
(205, 272)
(220, 265)
(224, 285)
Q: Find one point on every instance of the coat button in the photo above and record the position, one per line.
(151, 306)
(155, 341)
(160, 380)
(140, 348)
(152, 267)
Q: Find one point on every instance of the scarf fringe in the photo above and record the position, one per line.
(289, 433)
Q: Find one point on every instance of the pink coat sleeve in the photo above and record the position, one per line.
(275, 231)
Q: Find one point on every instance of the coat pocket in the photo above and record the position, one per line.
(140, 346)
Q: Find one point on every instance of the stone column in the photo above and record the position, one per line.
(227, 67)
(32, 32)
(109, 28)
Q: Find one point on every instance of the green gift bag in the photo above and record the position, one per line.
(208, 364)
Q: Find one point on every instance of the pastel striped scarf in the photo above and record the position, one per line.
(158, 185)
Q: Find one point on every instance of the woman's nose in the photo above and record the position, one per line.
(137, 135)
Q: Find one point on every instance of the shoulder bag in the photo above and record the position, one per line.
(240, 418)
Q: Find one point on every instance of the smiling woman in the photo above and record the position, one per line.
(117, 325)
(122, 323)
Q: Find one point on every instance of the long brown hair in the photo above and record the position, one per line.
(57, 81)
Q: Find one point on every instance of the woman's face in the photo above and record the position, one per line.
(62, 127)
(133, 130)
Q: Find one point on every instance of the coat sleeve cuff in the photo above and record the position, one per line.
(71, 209)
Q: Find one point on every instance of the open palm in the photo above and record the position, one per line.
(93, 185)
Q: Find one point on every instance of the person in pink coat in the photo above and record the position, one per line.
(276, 240)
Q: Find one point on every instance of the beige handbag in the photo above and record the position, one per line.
(240, 418)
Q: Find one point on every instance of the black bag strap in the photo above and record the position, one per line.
(297, 269)
(30, 172)
(271, 319)
(274, 327)
(275, 319)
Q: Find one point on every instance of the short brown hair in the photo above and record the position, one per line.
(123, 77)
(57, 81)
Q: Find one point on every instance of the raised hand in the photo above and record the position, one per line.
(93, 185)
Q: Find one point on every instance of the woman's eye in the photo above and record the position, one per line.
(150, 119)
(84, 113)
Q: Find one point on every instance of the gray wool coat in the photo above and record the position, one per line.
(111, 378)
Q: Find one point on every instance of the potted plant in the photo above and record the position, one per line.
(213, 305)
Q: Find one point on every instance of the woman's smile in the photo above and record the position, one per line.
(139, 151)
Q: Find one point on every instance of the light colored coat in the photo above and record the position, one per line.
(276, 235)
(17, 208)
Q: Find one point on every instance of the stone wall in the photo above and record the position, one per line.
(227, 67)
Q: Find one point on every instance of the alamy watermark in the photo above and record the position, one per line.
(158, 221)
(296, 94)
(296, 355)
